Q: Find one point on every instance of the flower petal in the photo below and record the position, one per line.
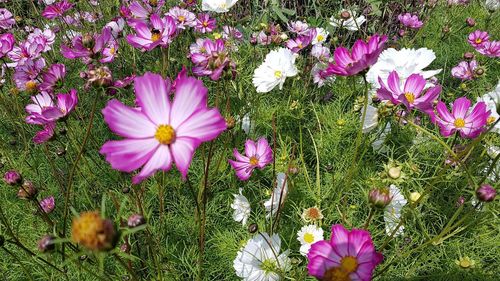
(152, 96)
(160, 160)
(127, 122)
(129, 154)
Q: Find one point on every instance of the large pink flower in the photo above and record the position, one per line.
(469, 123)
(363, 55)
(257, 155)
(411, 94)
(349, 255)
(160, 131)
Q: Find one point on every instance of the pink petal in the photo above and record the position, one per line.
(394, 83)
(160, 160)
(190, 95)
(414, 84)
(250, 148)
(444, 113)
(129, 154)
(357, 238)
(127, 122)
(460, 107)
(243, 169)
(340, 239)
(204, 125)
(182, 151)
(152, 96)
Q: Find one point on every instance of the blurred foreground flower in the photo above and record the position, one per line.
(93, 232)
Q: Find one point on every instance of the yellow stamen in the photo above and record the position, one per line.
(254, 161)
(277, 74)
(155, 35)
(30, 86)
(490, 120)
(205, 24)
(308, 238)
(410, 97)
(181, 18)
(478, 41)
(112, 51)
(165, 134)
(349, 264)
(320, 38)
(459, 123)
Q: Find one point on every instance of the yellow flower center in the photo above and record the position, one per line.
(459, 123)
(478, 41)
(308, 238)
(490, 120)
(410, 97)
(153, 2)
(278, 74)
(165, 134)
(30, 85)
(254, 161)
(217, 35)
(299, 45)
(349, 264)
(465, 263)
(320, 38)
(112, 51)
(205, 24)
(155, 35)
(181, 18)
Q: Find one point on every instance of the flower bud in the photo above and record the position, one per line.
(468, 56)
(460, 201)
(88, 41)
(48, 204)
(401, 32)
(230, 122)
(27, 190)
(12, 177)
(470, 22)
(253, 228)
(46, 244)
(446, 29)
(136, 220)
(479, 71)
(414, 196)
(486, 193)
(126, 190)
(93, 232)
(293, 170)
(100, 77)
(379, 197)
(394, 172)
(345, 15)
(125, 247)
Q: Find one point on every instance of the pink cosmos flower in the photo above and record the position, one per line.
(490, 49)
(299, 43)
(349, 255)
(229, 32)
(104, 48)
(410, 21)
(464, 70)
(7, 42)
(27, 50)
(363, 55)
(470, 123)
(45, 38)
(182, 17)
(160, 131)
(160, 34)
(298, 27)
(478, 38)
(210, 58)
(320, 52)
(52, 78)
(43, 110)
(411, 95)
(6, 19)
(26, 75)
(257, 155)
(45, 134)
(48, 204)
(144, 9)
(204, 23)
(117, 25)
(57, 9)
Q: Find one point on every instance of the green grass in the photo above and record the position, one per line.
(302, 119)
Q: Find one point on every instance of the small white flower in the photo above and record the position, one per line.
(307, 236)
(246, 124)
(492, 5)
(351, 23)
(371, 118)
(321, 35)
(218, 6)
(278, 197)
(392, 213)
(260, 259)
(492, 101)
(278, 65)
(241, 208)
(405, 61)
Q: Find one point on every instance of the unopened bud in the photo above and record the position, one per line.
(46, 244)
(136, 220)
(27, 190)
(470, 22)
(486, 193)
(345, 15)
(379, 197)
(253, 228)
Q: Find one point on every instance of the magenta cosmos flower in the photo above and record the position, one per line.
(478, 38)
(410, 21)
(48, 204)
(6, 43)
(103, 47)
(160, 131)
(44, 110)
(204, 23)
(299, 43)
(26, 76)
(182, 17)
(143, 9)
(362, 56)
(464, 70)
(6, 19)
(469, 123)
(411, 94)
(349, 255)
(57, 9)
(52, 78)
(210, 58)
(490, 49)
(161, 33)
(257, 155)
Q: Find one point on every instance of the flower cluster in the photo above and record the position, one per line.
(480, 40)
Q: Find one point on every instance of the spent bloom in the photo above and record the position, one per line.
(260, 259)
(312, 214)
(160, 132)
(351, 22)
(410, 21)
(241, 208)
(93, 232)
(308, 235)
(411, 94)
(349, 255)
(7, 42)
(469, 123)
(278, 65)
(100, 46)
(257, 155)
(363, 55)
(161, 33)
(218, 6)
(6, 19)
(57, 9)
(182, 17)
(204, 23)
(464, 70)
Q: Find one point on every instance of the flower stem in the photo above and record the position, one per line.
(369, 219)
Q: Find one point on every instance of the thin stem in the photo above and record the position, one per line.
(369, 219)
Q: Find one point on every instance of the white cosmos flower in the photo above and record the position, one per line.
(278, 65)
(241, 208)
(351, 23)
(321, 35)
(405, 61)
(492, 101)
(260, 259)
(392, 212)
(492, 5)
(371, 118)
(218, 6)
(308, 235)
(246, 123)
(278, 197)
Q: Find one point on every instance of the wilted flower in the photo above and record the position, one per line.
(27, 190)
(101, 46)
(410, 21)
(464, 70)
(492, 5)
(486, 193)
(465, 262)
(278, 196)
(135, 220)
(48, 204)
(278, 65)
(93, 232)
(312, 214)
(257, 155)
(99, 77)
(12, 177)
(299, 43)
